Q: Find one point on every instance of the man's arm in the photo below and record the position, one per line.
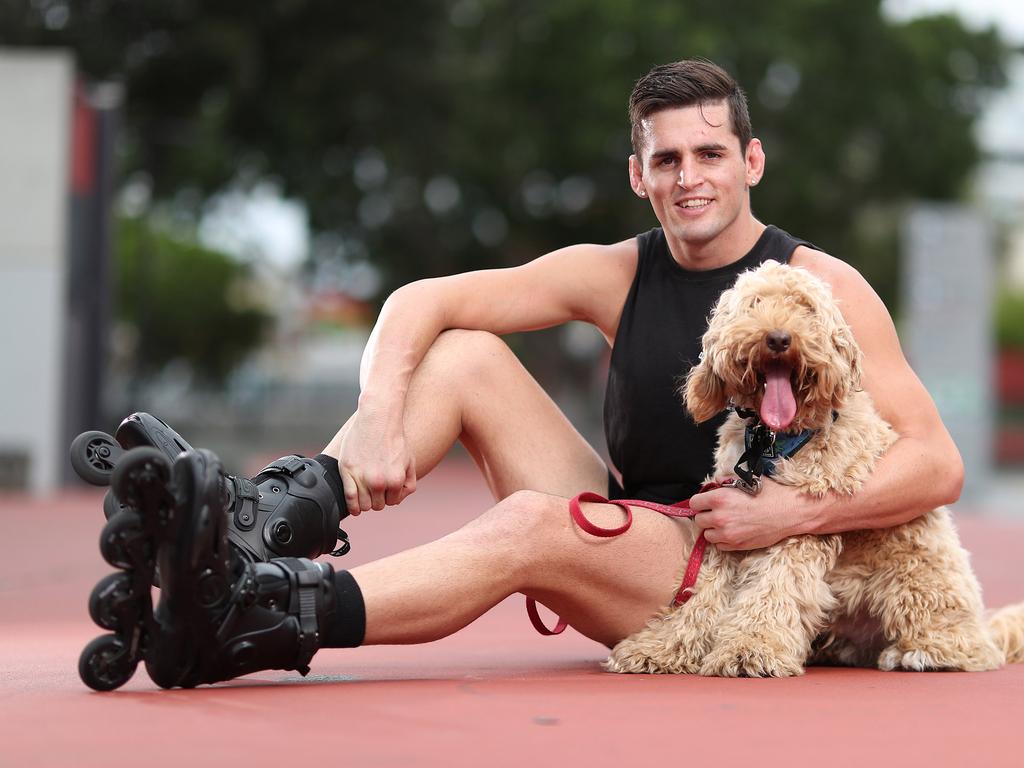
(922, 470)
(581, 282)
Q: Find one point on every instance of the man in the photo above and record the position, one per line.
(435, 371)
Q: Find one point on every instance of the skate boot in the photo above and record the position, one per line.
(290, 509)
(219, 614)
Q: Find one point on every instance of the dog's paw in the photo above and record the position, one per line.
(663, 662)
(635, 664)
(625, 664)
(984, 656)
(739, 660)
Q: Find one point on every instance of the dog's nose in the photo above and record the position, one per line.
(778, 341)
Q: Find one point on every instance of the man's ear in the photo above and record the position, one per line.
(755, 161)
(636, 177)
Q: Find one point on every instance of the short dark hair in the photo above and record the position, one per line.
(684, 84)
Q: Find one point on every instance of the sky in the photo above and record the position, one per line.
(1008, 15)
(265, 225)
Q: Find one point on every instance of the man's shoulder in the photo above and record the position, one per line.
(859, 302)
(614, 261)
(596, 279)
(836, 272)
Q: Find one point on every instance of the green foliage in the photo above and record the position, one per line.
(356, 107)
(1010, 321)
(186, 302)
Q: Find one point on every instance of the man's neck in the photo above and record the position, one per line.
(728, 247)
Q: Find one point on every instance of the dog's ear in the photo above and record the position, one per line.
(704, 391)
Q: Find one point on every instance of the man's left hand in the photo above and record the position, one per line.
(734, 520)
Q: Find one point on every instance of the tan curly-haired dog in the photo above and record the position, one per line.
(898, 598)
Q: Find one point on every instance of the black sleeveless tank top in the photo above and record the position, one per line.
(662, 455)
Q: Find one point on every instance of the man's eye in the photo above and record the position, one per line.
(668, 161)
(712, 155)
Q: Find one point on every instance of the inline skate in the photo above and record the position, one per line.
(220, 613)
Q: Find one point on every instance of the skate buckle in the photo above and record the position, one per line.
(293, 466)
(246, 501)
(345, 544)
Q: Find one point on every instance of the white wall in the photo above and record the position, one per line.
(35, 105)
(948, 283)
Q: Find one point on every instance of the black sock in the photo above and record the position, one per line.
(348, 624)
(333, 477)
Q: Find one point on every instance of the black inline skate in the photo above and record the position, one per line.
(219, 614)
(292, 508)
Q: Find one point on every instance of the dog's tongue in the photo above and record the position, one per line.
(778, 406)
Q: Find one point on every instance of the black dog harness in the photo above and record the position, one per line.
(762, 448)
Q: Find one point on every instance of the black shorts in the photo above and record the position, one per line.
(615, 489)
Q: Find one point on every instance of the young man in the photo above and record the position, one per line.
(435, 371)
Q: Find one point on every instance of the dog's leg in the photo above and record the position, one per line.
(780, 606)
(852, 636)
(677, 641)
(929, 601)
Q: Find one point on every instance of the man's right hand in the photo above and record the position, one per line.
(376, 466)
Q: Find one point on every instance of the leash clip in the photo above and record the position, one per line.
(750, 487)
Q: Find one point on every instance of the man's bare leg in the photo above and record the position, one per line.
(605, 588)
(471, 387)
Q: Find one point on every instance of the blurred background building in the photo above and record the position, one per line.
(260, 178)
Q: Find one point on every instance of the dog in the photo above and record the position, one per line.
(778, 349)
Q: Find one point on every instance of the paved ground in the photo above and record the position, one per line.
(495, 695)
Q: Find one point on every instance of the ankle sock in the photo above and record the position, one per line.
(347, 626)
(333, 476)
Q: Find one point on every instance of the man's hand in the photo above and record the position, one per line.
(376, 466)
(734, 520)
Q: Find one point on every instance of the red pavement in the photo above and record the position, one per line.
(496, 694)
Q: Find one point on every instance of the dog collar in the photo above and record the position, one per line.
(772, 446)
(762, 448)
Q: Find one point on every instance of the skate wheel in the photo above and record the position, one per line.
(108, 600)
(111, 506)
(106, 663)
(94, 455)
(137, 469)
(118, 539)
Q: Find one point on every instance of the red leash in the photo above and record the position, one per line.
(679, 509)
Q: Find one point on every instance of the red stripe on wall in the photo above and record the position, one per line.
(83, 144)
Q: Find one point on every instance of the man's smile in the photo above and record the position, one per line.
(693, 205)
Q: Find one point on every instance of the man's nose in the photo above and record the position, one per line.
(687, 175)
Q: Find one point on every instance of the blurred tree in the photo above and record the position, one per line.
(431, 137)
(184, 302)
(1010, 320)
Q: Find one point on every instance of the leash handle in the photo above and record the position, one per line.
(576, 513)
(538, 624)
(679, 509)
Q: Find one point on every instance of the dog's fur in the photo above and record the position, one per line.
(897, 598)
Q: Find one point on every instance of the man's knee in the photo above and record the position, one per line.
(526, 525)
(466, 355)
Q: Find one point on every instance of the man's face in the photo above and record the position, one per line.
(693, 171)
